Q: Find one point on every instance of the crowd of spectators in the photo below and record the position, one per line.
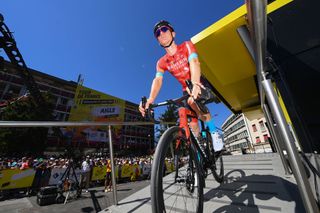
(49, 162)
(44, 165)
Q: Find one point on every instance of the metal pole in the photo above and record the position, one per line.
(276, 140)
(258, 28)
(65, 123)
(295, 137)
(295, 161)
(114, 185)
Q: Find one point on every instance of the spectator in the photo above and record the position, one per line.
(2, 165)
(85, 173)
(13, 165)
(108, 182)
(37, 166)
(65, 164)
(56, 164)
(46, 173)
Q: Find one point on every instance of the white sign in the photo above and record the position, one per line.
(146, 169)
(56, 175)
(105, 111)
(93, 135)
(97, 136)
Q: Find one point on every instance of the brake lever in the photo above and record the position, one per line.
(148, 112)
(143, 101)
(189, 85)
(143, 104)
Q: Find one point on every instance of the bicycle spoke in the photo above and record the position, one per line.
(175, 201)
(180, 189)
(179, 193)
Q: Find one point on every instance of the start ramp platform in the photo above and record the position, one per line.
(253, 183)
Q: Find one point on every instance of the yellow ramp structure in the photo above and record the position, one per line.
(226, 62)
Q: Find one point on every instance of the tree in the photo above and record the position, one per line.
(18, 141)
(169, 115)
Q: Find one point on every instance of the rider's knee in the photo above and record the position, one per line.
(190, 101)
(205, 117)
(194, 125)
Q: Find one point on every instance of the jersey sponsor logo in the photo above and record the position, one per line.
(176, 65)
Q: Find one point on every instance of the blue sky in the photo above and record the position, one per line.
(109, 42)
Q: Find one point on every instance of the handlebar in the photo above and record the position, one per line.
(149, 111)
(177, 102)
(201, 101)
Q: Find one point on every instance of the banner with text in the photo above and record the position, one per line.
(92, 105)
(14, 178)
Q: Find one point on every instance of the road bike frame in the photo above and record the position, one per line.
(184, 115)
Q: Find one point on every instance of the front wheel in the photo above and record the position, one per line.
(176, 189)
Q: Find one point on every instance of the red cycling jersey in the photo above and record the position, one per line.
(178, 64)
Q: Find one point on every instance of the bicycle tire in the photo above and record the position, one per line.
(217, 167)
(176, 164)
(163, 187)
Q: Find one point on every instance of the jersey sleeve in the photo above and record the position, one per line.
(161, 65)
(191, 50)
(190, 47)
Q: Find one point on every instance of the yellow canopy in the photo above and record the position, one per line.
(226, 62)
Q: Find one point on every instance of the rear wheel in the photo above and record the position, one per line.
(182, 189)
(216, 167)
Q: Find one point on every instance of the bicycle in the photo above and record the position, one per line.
(187, 181)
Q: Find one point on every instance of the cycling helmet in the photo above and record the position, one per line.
(160, 24)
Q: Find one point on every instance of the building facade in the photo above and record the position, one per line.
(12, 86)
(242, 135)
(260, 135)
(73, 102)
(136, 137)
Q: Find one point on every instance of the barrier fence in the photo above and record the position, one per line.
(73, 124)
(17, 179)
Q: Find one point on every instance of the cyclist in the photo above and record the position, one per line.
(183, 63)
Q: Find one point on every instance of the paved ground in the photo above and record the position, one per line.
(93, 201)
(254, 183)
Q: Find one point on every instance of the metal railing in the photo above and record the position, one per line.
(12, 124)
(257, 22)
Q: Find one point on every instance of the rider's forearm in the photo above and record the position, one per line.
(155, 88)
(195, 70)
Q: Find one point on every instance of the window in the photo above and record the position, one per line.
(262, 126)
(258, 140)
(254, 127)
(266, 138)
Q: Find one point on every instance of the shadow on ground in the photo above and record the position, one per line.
(242, 191)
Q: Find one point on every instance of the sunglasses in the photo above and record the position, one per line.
(162, 29)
